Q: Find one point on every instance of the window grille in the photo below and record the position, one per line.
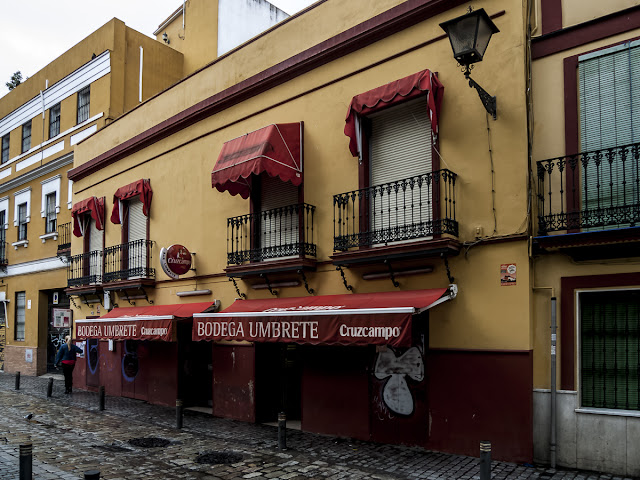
(54, 121)
(610, 349)
(22, 222)
(5, 148)
(83, 104)
(20, 317)
(26, 136)
(50, 213)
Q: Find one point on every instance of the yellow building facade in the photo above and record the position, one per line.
(436, 225)
(584, 248)
(42, 121)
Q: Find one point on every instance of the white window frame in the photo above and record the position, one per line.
(70, 195)
(20, 197)
(51, 185)
(4, 207)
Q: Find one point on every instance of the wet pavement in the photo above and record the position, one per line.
(71, 436)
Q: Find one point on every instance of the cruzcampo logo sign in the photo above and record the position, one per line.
(175, 260)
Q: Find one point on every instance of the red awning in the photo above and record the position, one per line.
(358, 319)
(91, 205)
(153, 322)
(275, 149)
(141, 187)
(421, 83)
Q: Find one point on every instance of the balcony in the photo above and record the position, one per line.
(129, 262)
(64, 239)
(85, 269)
(418, 208)
(593, 194)
(284, 234)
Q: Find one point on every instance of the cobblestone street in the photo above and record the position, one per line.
(70, 436)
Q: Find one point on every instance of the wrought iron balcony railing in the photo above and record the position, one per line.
(85, 269)
(590, 191)
(128, 261)
(413, 208)
(277, 233)
(64, 238)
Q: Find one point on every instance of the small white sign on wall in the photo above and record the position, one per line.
(28, 355)
(29, 304)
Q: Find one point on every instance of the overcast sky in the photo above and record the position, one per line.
(35, 32)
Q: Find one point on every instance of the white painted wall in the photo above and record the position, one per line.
(585, 440)
(240, 20)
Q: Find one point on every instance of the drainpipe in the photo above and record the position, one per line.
(552, 441)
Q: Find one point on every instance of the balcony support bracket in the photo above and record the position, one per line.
(392, 275)
(311, 291)
(344, 279)
(146, 296)
(271, 291)
(238, 292)
(446, 265)
(74, 303)
(126, 297)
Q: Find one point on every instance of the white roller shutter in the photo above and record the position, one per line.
(609, 85)
(278, 227)
(137, 230)
(400, 148)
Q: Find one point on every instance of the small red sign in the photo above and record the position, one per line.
(175, 260)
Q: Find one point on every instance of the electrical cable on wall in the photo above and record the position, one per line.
(493, 179)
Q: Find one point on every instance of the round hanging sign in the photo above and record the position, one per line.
(175, 260)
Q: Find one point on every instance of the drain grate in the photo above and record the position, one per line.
(149, 442)
(217, 458)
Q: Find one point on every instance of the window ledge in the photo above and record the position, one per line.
(609, 411)
(47, 236)
(21, 243)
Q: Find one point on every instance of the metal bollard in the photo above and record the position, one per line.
(50, 388)
(26, 461)
(485, 460)
(282, 431)
(101, 398)
(92, 475)
(17, 380)
(179, 411)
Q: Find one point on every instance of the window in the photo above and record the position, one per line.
(610, 349)
(136, 231)
(20, 316)
(54, 120)
(3, 241)
(609, 85)
(50, 213)
(83, 104)
(22, 222)
(5, 148)
(26, 136)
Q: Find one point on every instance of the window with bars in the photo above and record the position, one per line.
(5, 148)
(54, 120)
(50, 213)
(26, 136)
(610, 349)
(22, 222)
(83, 104)
(21, 300)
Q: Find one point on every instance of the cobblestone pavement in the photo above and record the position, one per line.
(69, 441)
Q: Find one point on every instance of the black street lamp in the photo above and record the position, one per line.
(469, 36)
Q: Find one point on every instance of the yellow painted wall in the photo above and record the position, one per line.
(579, 11)
(187, 210)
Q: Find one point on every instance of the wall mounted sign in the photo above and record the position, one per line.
(61, 317)
(175, 260)
(508, 274)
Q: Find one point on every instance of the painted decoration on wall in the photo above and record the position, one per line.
(130, 363)
(93, 355)
(396, 393)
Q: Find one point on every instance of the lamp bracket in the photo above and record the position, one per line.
(311, 291)
(487, 100)
(271, 291)
(238, 292)
(344, 278)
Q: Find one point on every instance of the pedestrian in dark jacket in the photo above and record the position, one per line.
(67, 354)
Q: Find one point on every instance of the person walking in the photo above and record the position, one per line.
(67, 354)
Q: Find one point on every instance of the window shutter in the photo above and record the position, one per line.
(96, 247)
(137, 221)
(279, 219)
(609, 85)
(95, 237)
(400, 148)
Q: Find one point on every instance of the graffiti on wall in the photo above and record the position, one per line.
(2, 343)
(130, 362)
(394, 369)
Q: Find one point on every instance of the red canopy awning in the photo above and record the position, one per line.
(275, 149)
(421, 83)
(153, 322)
(358, 319)
(142, 188)
(91, 205)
